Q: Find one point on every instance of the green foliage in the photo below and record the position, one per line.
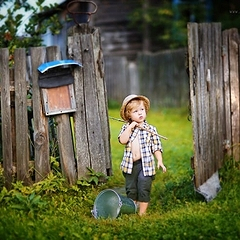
(13, 22)
(166, 24)
(221, 12)
(2, 180)
(93, 178)
(177, 192)
(112, 104)
(31, 204)
(229, 171)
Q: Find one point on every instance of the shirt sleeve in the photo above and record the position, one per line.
(124, 126)
(156, 142)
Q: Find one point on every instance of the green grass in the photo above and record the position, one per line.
(51, 210)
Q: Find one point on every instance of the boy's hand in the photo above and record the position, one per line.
(164, 169)
(133, 125)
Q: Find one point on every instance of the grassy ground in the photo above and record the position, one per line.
(49, 210)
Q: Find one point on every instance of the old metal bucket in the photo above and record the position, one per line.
(110, 204)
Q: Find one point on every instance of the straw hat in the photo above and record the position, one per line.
(130, 98)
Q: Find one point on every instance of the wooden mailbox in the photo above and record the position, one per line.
(56, 83)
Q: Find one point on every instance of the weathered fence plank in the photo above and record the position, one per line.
(203, 102)
(13, 124)
(6, 117)
(206, 90)
(88, 117)
(64, 135)
(193, 54)
(91, 103)
(101, 96)
(218, 78)
(93, 122)
(227, 97)
(234, 83)
(66, 151)
(80, 126)
(41, 132)
(21, 118)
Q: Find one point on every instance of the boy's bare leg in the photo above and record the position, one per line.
(142, 208)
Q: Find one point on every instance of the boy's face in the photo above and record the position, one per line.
(137, 111)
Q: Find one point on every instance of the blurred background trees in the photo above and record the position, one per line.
(162, 23)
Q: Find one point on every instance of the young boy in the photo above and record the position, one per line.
(138, 165)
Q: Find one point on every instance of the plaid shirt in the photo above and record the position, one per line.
(149, 143)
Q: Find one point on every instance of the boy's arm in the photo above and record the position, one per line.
(124, 137)
(158, 156)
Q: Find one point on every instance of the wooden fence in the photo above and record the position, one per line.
(161, 76)
(89, 147)
(214, 90)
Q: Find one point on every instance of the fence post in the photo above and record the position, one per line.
(64, 134)
(6, 117)
(21, 119)
(207, 105)
(91, 119)
(227, 95)
(234, 42)
(41, 136)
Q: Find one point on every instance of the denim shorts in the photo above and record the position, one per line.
(138, 186)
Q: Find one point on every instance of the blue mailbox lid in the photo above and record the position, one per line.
(45, 66)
